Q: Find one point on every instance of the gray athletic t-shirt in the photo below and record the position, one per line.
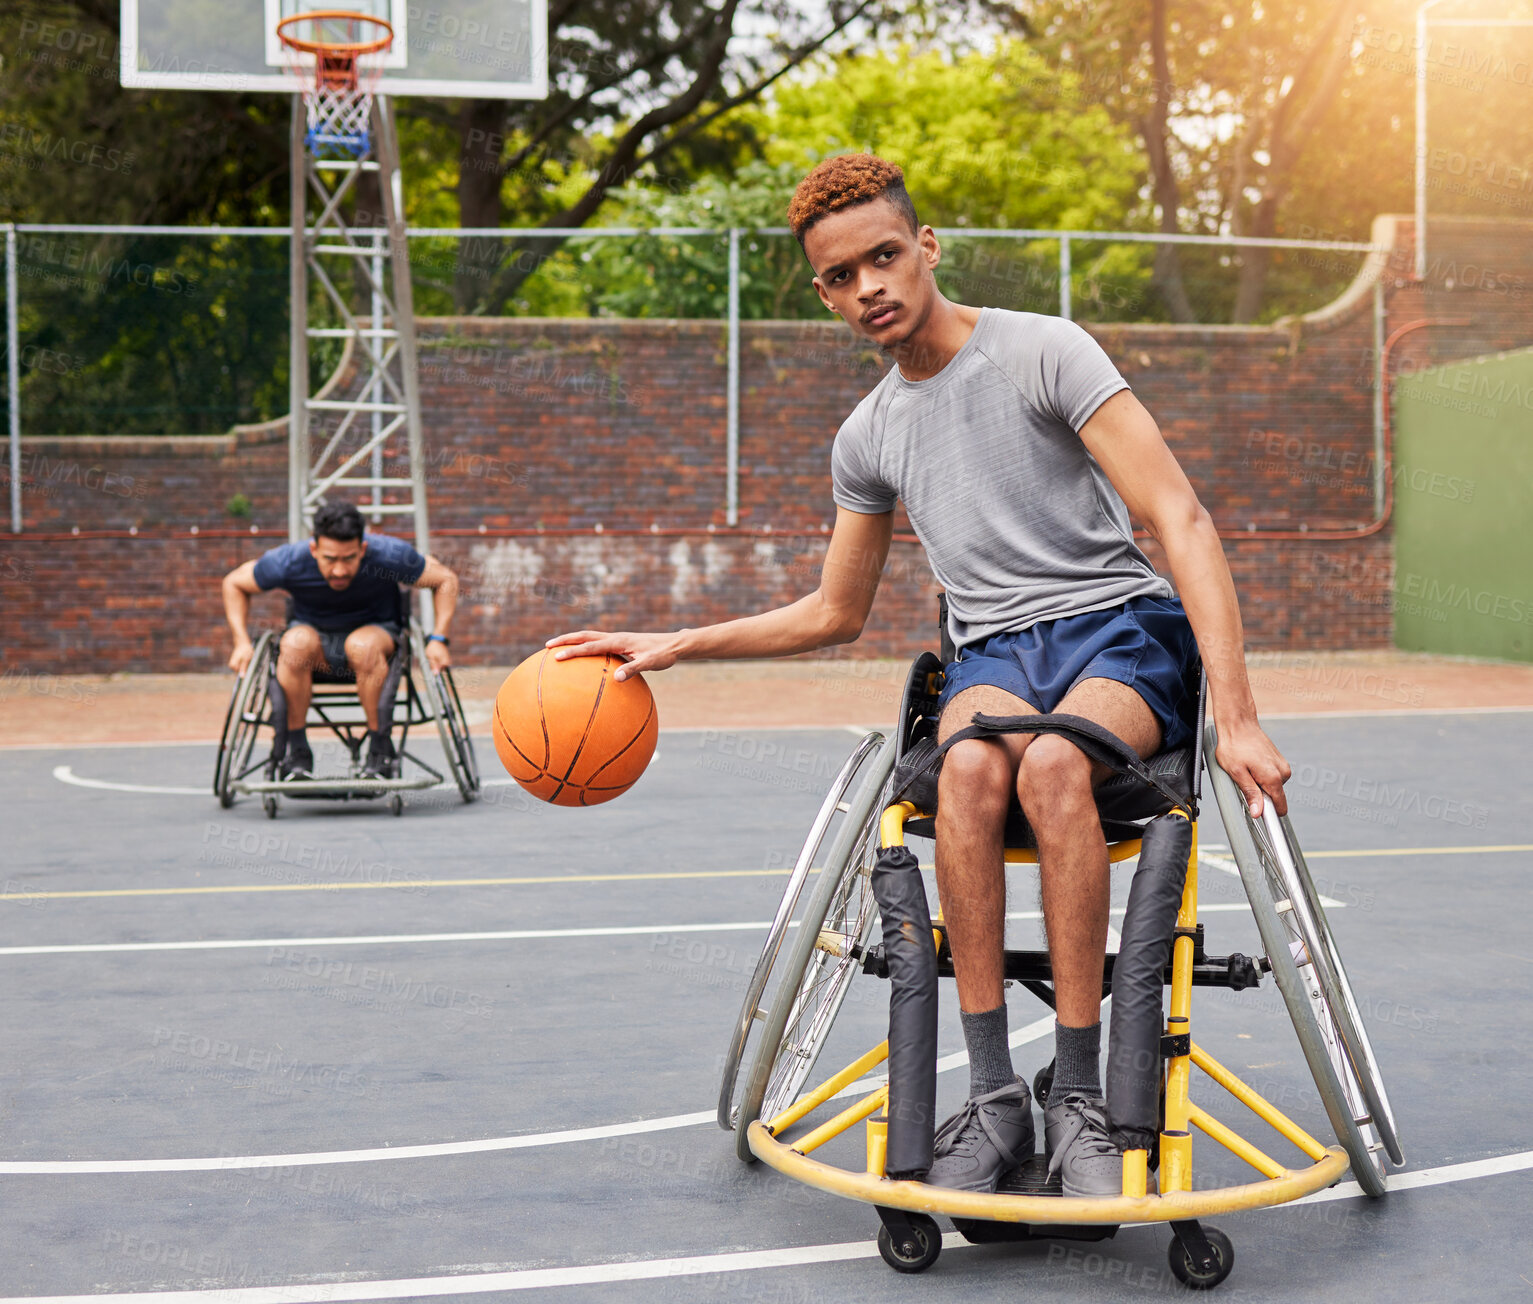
(1019, 522)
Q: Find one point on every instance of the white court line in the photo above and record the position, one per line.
(594, 1274)
(66, 774)
(1227, 865)
(394, 939)
(527, 1141)
(384, 939)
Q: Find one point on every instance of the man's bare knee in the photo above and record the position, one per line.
(365, 651)
(1055, 775)
(299, 647)
(976, 774)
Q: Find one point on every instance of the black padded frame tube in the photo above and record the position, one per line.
(1138, 981)
(912, 958)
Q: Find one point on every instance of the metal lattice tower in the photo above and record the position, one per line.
(339, 445)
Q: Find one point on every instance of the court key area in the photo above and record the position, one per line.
(476, 1050)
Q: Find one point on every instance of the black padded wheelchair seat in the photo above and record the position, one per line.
(1124, 800)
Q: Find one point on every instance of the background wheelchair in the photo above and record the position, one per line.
(838, 940)
(258, 703)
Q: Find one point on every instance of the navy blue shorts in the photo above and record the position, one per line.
(1146, 643)
(332, 644)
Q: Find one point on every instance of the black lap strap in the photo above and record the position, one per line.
(1098, 743)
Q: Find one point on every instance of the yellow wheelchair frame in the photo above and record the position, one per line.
(1301, 957)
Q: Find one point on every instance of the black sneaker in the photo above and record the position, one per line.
(382, 760)
(297, 762)
(984, 1140)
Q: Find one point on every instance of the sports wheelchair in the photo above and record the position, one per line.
(258, 702)
(867, 917)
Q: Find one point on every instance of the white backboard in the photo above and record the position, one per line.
(479, 49)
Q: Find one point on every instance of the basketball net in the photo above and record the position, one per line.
(339, 54)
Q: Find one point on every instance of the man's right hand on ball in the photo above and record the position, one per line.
(641, 651)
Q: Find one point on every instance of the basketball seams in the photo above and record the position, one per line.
(564, 779)
(503, 732)
(542, 722)
(618, 755)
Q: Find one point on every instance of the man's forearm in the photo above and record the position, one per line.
(444, 603)
(237, 612)
(802, 626)
(1207, 590)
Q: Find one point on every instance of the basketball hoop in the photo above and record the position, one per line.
(335, 51)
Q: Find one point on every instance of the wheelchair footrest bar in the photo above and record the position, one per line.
(1051, 1209)
(326, 787)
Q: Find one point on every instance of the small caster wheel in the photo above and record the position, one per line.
(1042, 1084)
(397, 804)
(269, 805)
(917, 1255)
(1193, 1277)
(226, 799)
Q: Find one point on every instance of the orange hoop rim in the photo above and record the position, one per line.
(336, 49)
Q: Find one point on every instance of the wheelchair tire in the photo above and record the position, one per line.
(1307, 968)
(927, 1245)
(1194, 1277)
(451, 722)
(814, 978)
(246, 714)
(750, 1009)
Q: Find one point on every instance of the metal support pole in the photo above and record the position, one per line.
(1420, 234)
(13, 375)
(375, 390)
(1064, 277)
(732, 418)
(391, 186)
(298, 358)
(1380, 397)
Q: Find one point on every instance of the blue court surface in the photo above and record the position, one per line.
(475, 1050)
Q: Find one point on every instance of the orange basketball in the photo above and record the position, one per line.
(570, 733)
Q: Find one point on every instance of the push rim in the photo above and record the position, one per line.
(1287, 933)
(750, 1009)
(815, 980)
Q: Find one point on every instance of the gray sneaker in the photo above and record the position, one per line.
(984, 1140)
(1080, 1150)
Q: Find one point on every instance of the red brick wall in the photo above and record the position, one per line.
(575, 425)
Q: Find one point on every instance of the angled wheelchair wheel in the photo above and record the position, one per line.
(247, 712)
(451, 722)
(822, 959)
(1307, 968)
(751, 1011)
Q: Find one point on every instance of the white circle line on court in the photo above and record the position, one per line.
(595, 1274)
(528, 1141)
(66, 774)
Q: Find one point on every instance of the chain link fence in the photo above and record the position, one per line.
(184, 330)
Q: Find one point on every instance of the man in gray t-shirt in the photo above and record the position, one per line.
(1018, 452)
